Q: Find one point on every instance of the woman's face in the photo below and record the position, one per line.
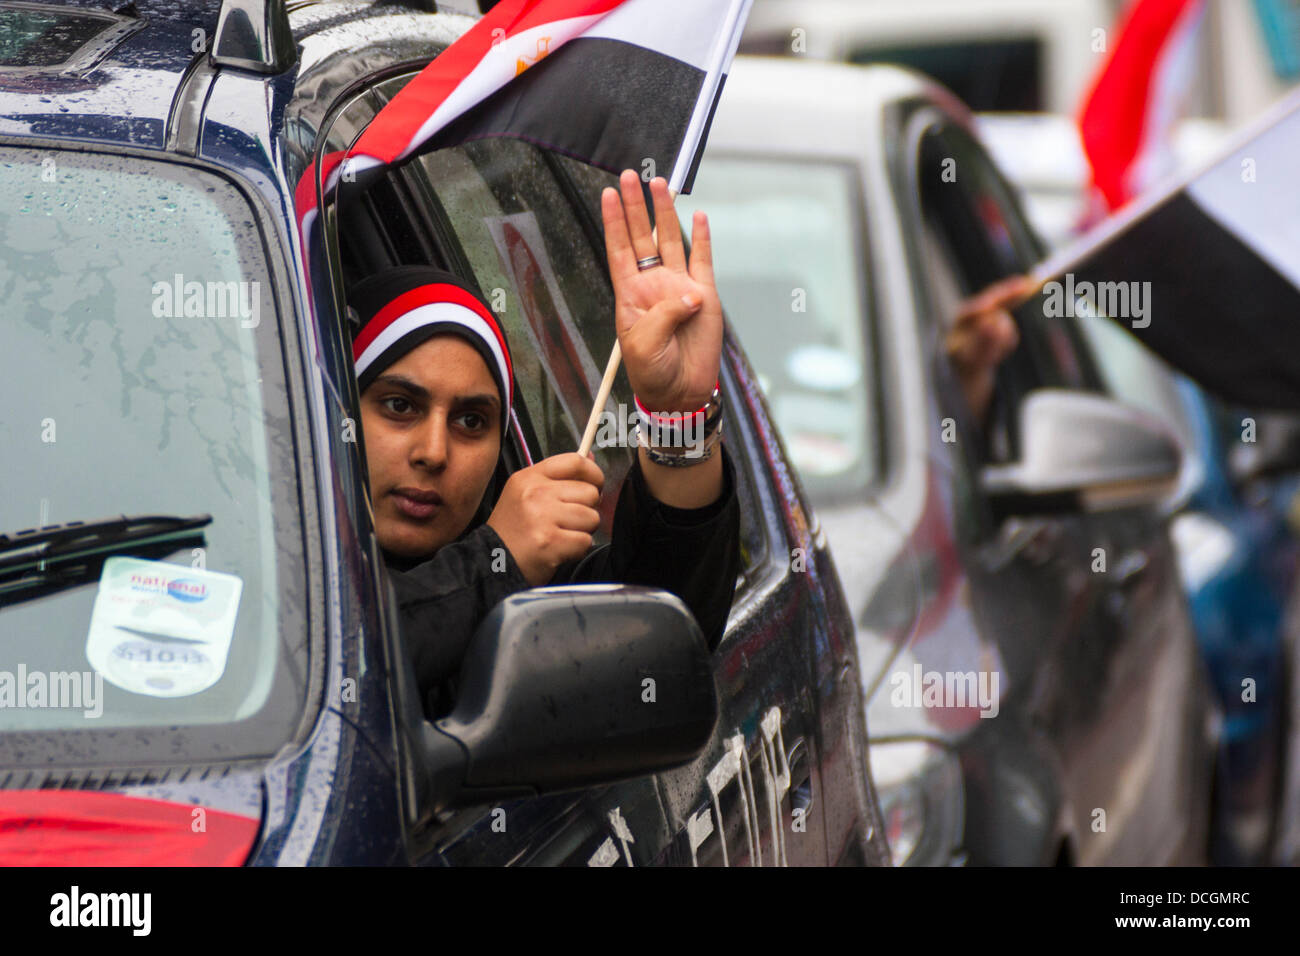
(432, 423)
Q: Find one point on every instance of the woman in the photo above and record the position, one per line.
(435, 374)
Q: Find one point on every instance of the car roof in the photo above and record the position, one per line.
(123, 92)
(797, 107)
(117, 89)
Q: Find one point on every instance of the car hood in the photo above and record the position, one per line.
(211, 821)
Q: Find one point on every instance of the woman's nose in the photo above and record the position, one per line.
(430, 448)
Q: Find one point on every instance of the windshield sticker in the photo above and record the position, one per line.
(162, 629)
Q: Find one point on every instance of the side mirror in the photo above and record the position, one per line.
(1084, 451)
(571, 687)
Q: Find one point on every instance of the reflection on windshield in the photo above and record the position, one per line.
(138, 307)
(791, 276)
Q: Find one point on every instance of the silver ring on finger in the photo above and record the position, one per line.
(649, 262)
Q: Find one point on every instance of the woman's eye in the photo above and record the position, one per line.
(398, 405)
(472, 421)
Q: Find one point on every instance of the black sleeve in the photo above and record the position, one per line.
(692, 553)
(441, 603)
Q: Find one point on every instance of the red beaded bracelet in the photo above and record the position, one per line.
(673, 419)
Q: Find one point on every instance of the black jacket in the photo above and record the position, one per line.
(694, 554)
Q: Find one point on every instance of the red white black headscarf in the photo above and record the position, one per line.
(405, 307)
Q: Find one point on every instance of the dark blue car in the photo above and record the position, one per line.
(199, 658)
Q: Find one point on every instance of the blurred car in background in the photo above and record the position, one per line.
(1234, 525)
(1035, 55)
(1042, 156)
(995, 55)
(1035, 695)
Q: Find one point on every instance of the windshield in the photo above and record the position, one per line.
(142, 375)
(792, 276)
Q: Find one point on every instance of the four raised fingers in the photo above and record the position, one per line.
(629, 237)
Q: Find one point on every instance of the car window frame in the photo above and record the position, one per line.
(426, 836)
(909, 123)
(1029, 368)
(1030, 250)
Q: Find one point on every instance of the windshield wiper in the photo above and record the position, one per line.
(59, 556)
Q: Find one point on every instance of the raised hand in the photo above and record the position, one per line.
(668, 317)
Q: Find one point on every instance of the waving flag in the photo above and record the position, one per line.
(1127, 120)
(615, 83)
(1205, 269)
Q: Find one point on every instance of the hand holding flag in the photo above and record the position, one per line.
(982, 335)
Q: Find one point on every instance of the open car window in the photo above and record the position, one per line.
(974, 231)
(524, 225)
(536, 266)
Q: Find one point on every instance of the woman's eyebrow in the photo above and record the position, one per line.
(404, 383)
(485, 400)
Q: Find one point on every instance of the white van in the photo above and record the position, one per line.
(1028, 55)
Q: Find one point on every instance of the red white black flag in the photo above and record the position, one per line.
(615, 83)
(1127, 119)
(1205, 269)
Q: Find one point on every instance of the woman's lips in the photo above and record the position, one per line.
(415, 504)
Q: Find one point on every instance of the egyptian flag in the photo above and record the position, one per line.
(1126, 123)
(613, 83)
(1206, 269)
(304, 194)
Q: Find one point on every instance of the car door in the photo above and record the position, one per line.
(520, 222)
(1087, 606)
(808, 768)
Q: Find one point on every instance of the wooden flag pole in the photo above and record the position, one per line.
(602, 396)
(611, 370)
